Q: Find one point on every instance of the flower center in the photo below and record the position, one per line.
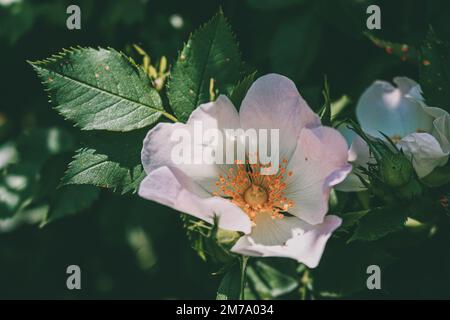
(253, 192)
(255, 195)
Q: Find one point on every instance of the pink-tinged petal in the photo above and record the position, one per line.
(273, 102)
(318, 163)
(393, 111)
(359, 152)
(425, 152)
(288, 237)
(173, 188)
(358, 156)
(162, 140)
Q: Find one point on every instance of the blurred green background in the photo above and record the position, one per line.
(131, 248)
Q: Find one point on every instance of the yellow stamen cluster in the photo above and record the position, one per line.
(255, 193)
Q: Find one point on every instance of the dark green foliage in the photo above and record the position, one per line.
(210, 55)
(127, 247)
(100, 89)
(435, 71)
(379, 222)
(109, 160)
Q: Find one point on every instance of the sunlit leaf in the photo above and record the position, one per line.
(240, 89)
(100, 89)
(109, 160)
(210, 53)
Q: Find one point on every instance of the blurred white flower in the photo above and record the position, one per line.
(422, 132)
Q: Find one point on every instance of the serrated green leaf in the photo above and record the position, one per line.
(210, 53)
(110, 160)
(100, 89)
(89, 167)
(69, 200)
(240, 89)
(379, 222)
(435, 71)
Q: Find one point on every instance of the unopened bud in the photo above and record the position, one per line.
(396, 170)
(227, 238)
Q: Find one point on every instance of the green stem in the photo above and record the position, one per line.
(169, 116)
(304, 282)
(244, 261)
(303, 293)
